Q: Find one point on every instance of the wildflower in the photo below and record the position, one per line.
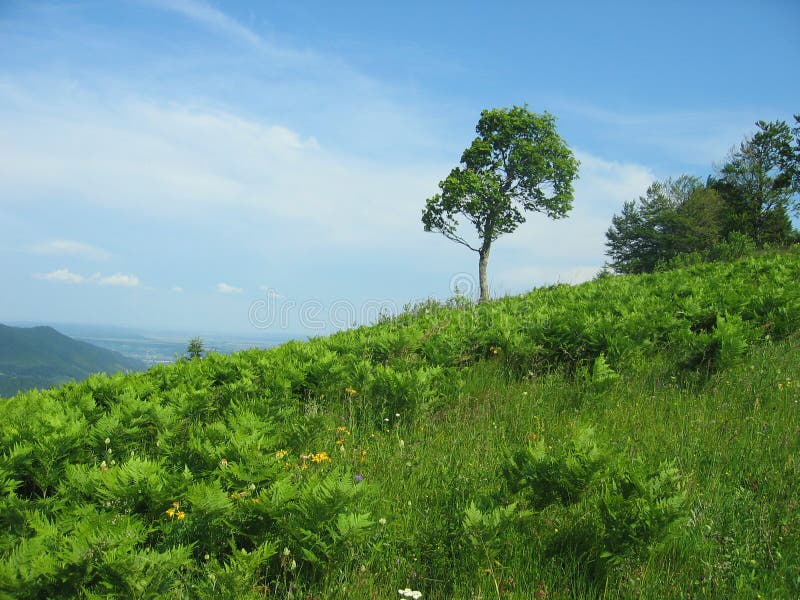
(343, 430)
(281, 454)
(176, 504)
(181, 515)
(320, 457)
(171, 512)
(251, 487)
(255, 500)
(402, 444)
(350, 391)
(223, 463)
(382, 521)
(304, 466)
(409, 593)
(103, 466)
(107, 441)
(359, 478)
(339, 442)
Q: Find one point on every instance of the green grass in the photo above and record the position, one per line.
(655, 422)
(736, 436)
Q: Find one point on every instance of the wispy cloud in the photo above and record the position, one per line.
(211, 17)
(61, 276)
(120, 280)
(67, 276)
(224, 288)
(69, 248)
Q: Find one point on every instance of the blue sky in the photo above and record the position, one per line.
(204, 166)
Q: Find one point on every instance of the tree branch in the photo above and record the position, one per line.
(456, 238)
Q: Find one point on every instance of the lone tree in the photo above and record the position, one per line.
(196, 348)
(518, 163)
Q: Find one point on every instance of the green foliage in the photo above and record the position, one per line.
(609, 510)
(675, 217)
(756, 184)
(195, 348)
(542, 477)
(745, 206)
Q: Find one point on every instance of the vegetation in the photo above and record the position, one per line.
(750, 198)
(42, 357)
(195, 348)
(635, 436)
(518, 163)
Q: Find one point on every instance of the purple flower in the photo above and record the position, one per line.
(359, 477)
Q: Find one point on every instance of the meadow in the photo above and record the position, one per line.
(634, 436)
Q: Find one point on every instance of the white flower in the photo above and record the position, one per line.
(382, 521)
(108, 441)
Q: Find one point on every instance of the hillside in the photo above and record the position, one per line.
(32, 357)
(635, 436)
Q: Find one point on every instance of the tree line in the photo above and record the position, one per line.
(745, 204)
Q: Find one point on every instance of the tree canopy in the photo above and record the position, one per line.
(747, 201)
(518, 163)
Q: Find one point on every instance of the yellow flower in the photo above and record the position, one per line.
(304, 466)
(223, 463)
(350, 391)
(181, 515)
(281, 454)
(339, 442)
(343, 430)
(170, 512)
(320, 457)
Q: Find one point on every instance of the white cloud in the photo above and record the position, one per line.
(188, 163)
(61, 276)
(224, 288)
(211, 17)
(67, 276)
(69, 247)
(177, 289)
(120, 280)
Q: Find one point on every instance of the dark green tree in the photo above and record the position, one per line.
(759, 184)
(674, 216)
(518, 163)
(195, 349)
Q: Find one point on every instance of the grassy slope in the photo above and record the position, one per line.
(433, 403)
(41, 357)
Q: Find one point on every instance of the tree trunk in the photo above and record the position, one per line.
(483, 261)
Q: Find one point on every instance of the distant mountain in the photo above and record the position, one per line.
(39, 357)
